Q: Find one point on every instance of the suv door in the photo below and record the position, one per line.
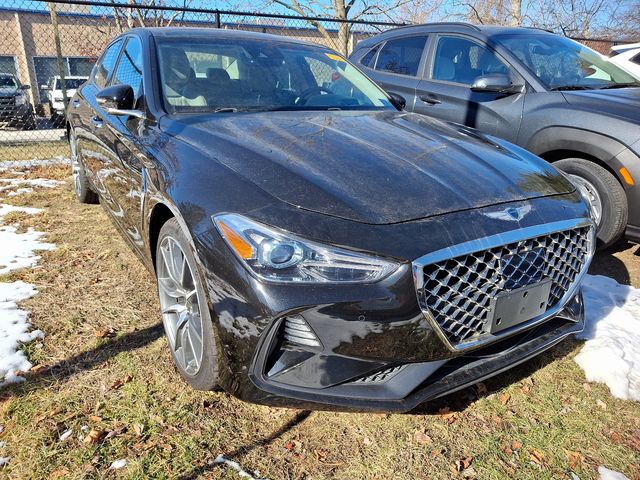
(398, 64)
(455, 61)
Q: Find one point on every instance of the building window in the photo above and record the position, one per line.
(47, 67)
(8, 65)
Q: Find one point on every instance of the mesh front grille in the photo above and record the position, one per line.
(458, 291)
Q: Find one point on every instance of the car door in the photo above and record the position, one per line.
(454, 62)
(122, 136)
(88, 120)
(396, 65)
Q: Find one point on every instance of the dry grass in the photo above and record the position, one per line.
(539, 421)
(34, 150)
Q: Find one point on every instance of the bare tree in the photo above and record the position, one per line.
(422, 11)
(138, 14)
(345, 10)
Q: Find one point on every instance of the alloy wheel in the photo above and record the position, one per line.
(180, 305)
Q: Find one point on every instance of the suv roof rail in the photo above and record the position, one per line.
(429, 24)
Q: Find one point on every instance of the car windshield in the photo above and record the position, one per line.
(227, 75)
(69, 83)
(7, 81)
(563, 64)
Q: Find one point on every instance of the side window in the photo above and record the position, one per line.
(105, 66)
(129, 70)
(401, 56)
(367, 60)
(460, 60)
(636, 59)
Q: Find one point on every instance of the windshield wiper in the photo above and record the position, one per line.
(225, 110)
(621, 85)
(570, 87)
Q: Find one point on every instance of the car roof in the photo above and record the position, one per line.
(201, 32)
(481, 31)
(624, 48)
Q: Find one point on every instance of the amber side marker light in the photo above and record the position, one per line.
(242, 248)
(627, 176)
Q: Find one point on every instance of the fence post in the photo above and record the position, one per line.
(218, 24)
(56, 36)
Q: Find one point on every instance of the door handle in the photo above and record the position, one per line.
(430, 99)
(97, 121)
(75, 103)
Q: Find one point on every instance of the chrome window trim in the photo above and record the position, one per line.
(494, 241)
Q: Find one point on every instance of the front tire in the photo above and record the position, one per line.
(83, 192)
(185, 312)
(607, 197)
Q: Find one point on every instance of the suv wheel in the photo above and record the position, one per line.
(185, 311)
(84, 194)
(606, 195)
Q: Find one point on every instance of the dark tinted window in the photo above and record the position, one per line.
(129, 69)
(106, 64)
(401, 55)
(367, 60)
(460, 60)
(636, 59)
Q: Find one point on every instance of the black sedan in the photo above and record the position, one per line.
(314, 245)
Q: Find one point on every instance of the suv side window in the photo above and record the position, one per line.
(104, 67)
(401, 56)
(636, 59)
(460, 60)
(129, 70)
(367, 60)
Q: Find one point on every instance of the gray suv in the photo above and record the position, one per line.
(546, 93)
(15, 108)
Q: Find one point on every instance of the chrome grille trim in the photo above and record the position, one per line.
(461, 326)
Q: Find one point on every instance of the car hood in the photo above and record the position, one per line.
(8, 91)
(622, 103)
(372, 167)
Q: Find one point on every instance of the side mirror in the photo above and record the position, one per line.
(398, 101)
(118, 100)
(25, 87)
(495, 82)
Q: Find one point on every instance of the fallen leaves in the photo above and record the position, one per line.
(107, 332)
(536, 456)
(601, 404)
(94, 437)
(421, 437)
(576, 459)
(121, 382)
(447, 415)
(504, 398)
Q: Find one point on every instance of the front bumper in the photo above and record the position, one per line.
(14, 112)
(377, 350)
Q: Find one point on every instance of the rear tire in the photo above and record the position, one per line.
(607, 191)
(185, 311)
(83, 191)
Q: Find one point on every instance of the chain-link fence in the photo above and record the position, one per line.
(48, 49)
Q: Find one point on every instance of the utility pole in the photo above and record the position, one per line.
(61, 69)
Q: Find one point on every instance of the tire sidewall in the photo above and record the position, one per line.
(612, 195)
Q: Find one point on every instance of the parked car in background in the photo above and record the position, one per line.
(55, 95)
(15, 108)
(313, 244)
(627, 57)
(546, 93)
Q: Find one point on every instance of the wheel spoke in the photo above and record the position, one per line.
(170, 288)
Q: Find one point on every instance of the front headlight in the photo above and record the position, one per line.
(276, 255)
(21, 99)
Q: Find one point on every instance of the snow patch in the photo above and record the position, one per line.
(14, 329)
(6, 209)
(611, 354)
(118, 464)
(220, 459)
(9, 164)
(17, 248)
(15, 183)
(606, 474)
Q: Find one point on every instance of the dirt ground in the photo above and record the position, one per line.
(622, 262)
